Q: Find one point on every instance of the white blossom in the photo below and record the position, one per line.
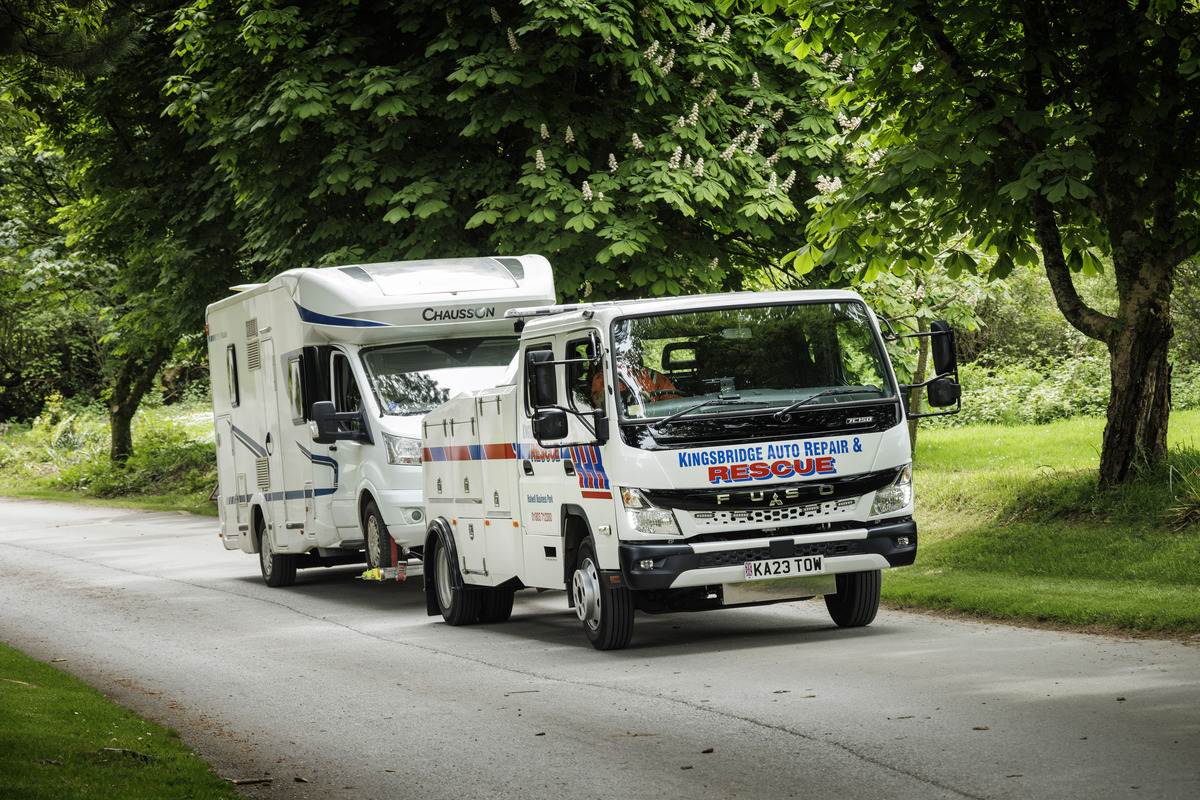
(788, 181)
(651, 50)
(746, 109)
(569, 135)
(694, 117)
(637, 143)
(713, 265)
(512, 41)
(495, 15)
(587, 191)
(540, 162)
(675, 157)
(698, 171)
(918, 67)
(826, 185)
(773, 184)
(754, 82)
(710, 98)
(545, 131)
(612, 162)
(670, 62)
(725, 36)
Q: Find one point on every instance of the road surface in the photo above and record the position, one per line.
(340, 688)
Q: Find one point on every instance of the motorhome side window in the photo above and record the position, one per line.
(295, 385)
(231, 376)
(346, 395)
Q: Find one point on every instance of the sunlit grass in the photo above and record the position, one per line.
(1014, 526)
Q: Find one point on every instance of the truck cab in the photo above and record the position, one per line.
(678, 455)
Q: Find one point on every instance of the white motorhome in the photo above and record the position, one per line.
(320, 378)
(679, 455)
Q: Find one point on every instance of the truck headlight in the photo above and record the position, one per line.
(895, 497)
(402, 449)
(645, 517)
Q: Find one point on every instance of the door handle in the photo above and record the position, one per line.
(527, 465)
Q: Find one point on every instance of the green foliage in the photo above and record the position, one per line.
(645, 150)
(64, 449)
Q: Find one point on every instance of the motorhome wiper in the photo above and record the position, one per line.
(716, 401)
(783, 415)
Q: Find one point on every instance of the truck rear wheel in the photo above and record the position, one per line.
(857, 599)
(496, 604)
(278, 569)
(377, 538)
(606, 612)
(458, 606)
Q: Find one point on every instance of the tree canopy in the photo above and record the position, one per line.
(1029, 133)
(643, 148)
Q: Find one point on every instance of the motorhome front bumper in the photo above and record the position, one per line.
(671, 566)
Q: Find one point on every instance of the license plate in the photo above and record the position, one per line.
(785, 567)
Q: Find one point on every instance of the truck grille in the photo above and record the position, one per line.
(733, 558)
(774, 516)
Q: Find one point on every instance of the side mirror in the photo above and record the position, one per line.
(941, 345)
(943, 392)
(550, 424)
(328, 421)
(541, 379)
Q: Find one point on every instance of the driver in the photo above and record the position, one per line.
(647, 385)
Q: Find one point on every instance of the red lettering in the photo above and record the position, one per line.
(805, 466)
(781, 469)
(718, 474)
(825, 464)
(760, 470)
(740, 472)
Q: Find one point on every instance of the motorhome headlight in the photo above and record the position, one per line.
(645, 517)
(402, 449)
(896, 496)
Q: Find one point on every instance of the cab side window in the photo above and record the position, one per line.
(585, 376)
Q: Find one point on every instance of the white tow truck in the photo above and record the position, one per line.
(320, 378)
(679, 454)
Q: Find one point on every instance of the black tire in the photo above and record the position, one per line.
(606, 612)
(496, 604)
(377, 538)
(458, 606)
(278, 569)
(857, 599)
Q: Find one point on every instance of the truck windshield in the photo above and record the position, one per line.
(782, 359)
(416, 377)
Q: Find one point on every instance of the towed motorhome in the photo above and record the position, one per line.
(320, 378)
(679, 454)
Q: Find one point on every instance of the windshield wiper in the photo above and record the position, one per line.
(783, 415)
(716, 401)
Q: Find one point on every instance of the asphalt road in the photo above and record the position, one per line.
(340, 688)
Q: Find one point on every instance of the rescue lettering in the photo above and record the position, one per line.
(762, 470)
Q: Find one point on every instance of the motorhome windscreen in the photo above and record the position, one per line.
(417, 377)
(748, 359)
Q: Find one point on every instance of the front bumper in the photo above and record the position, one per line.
(678, 566)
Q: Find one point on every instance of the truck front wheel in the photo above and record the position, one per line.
(458, 606)
(857, 599)
(606, 612)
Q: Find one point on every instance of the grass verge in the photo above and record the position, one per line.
(1014, 528)
(63, 740)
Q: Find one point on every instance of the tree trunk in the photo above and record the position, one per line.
(1140, 404)
(134, 379)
